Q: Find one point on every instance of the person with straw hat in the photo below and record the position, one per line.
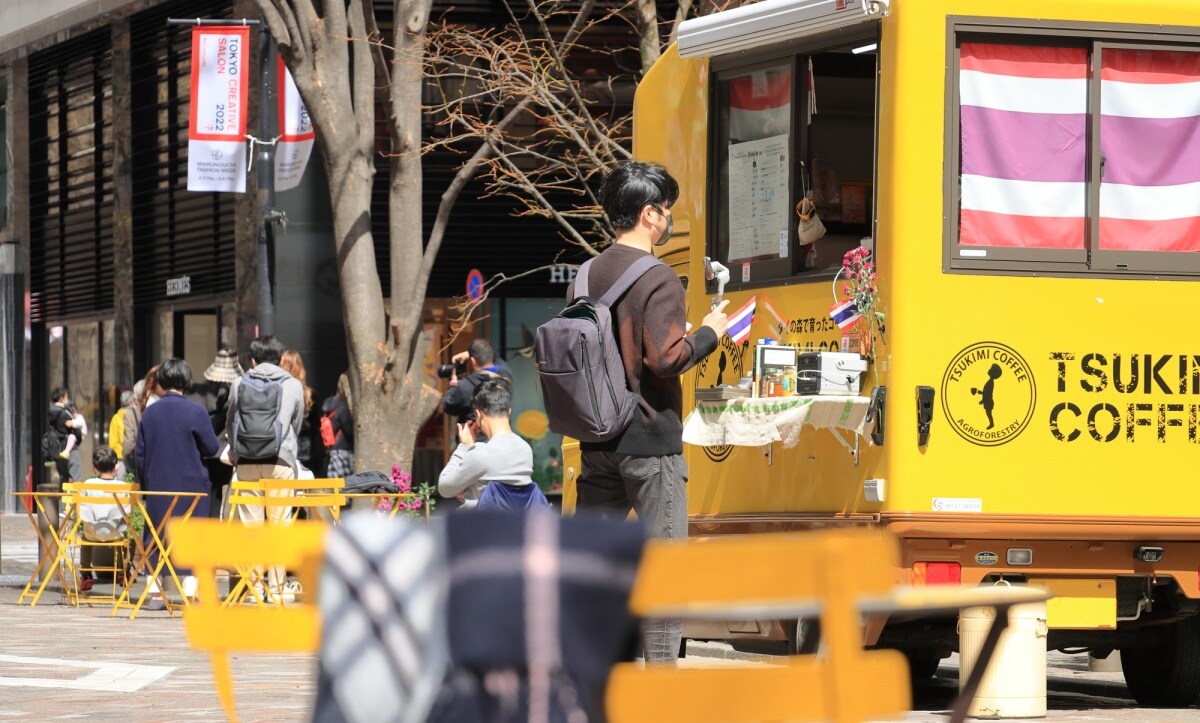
(213, 395)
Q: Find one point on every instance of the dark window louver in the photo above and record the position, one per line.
(71, 182)
(176, 232)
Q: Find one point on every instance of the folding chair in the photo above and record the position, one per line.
(315, 494)
(52, 553)
(835, 576)
(77, 498)
(206, 545)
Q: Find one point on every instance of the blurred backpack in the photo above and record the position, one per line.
(579, 363)
(329, 436)
(52, 444)
(370, 481)
(257, 431)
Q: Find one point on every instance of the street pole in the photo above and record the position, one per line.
(264, 145)
(266, 190)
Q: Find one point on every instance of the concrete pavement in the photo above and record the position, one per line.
(59, 662)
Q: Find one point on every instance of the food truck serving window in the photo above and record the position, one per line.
(786, 128)
(1058, 168)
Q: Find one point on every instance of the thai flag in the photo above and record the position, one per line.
(845, 313)
(740, 321)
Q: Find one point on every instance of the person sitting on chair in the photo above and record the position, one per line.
(495, 474)
(101, 523)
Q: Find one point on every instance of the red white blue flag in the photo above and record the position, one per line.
(845, 313)
(740, 321)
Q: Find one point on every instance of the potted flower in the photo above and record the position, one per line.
(860, 285)
(419, 506)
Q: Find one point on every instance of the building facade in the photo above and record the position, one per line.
(108, 264)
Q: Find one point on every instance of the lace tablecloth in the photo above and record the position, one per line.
(757, 422)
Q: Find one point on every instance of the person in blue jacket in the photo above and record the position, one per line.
(174, 437)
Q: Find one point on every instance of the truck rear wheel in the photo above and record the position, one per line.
(1164, 672)
(804, 636)
(922, 664)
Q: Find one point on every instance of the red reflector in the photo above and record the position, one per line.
(936, 573)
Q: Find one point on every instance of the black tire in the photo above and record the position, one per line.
(922, 664)
(804, 636)
(1164, 672)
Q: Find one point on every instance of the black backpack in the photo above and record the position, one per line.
(579, 364)
(257, 430)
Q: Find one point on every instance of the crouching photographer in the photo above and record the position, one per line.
(467, 371)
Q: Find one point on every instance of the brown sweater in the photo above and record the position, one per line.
(650, 320)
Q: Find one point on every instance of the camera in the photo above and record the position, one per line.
(445, 371)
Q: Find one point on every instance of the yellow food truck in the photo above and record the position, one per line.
(1025, 176)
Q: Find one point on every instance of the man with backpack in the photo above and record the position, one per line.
(266, 408)
(642, 466)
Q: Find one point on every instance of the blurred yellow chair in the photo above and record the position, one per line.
(835, 576)
(279, 500)
(207, 545)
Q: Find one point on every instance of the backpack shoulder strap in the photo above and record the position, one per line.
(581, 279)
(628, 278)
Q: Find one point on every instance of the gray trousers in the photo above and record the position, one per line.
(654, 487)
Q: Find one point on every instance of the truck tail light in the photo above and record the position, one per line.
(936, 573)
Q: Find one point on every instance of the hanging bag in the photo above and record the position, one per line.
(810, 228)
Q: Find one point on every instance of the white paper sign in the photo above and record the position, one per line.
(296, 134)
(758, 197)
(217, 122)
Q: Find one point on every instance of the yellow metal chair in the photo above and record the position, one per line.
(208, 545)
(77, 497)
(279, 498)
(834, 576)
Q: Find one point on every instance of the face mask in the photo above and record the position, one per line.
(666, 234)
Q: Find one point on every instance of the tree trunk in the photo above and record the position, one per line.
(649, 42)
(387, 420)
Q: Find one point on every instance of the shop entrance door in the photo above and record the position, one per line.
(197, 338)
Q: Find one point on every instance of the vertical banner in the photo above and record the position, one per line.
(296, 133)
(217, 127)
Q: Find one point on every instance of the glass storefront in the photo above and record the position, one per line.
(79, 356)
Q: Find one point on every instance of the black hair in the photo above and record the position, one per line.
(266, 349)
(175, 375)
(631, 186)
(481, 351)
(493, 398)
(104, 459)
(58, 393)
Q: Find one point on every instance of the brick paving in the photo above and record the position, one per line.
(60, 663)
(80, 645)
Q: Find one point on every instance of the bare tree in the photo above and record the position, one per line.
(343, 66)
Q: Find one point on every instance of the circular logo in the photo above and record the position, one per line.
(719, 453)
(988, 394)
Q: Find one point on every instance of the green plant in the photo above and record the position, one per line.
(137, 523)
(410, 506)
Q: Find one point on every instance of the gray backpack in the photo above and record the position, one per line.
(257, 429)
(579, 363)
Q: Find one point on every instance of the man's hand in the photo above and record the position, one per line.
(459, 358)
(466, 433)
(716, 319)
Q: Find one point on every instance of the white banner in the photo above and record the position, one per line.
(296, 133)
(217, 127)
